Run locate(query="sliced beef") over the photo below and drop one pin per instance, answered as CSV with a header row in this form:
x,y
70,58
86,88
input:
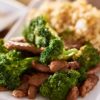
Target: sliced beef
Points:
x,y
57,65
72,65
73,94
32,92
89,84
22,46
40,67
18,93
63,65
37,79
23,87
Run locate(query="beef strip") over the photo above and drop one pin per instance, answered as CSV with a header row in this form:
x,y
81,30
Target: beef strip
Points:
x,y
72,65
40,67
73,94
37,79
32,92
18,93
88,84
57,65
22,46
63,65
23,87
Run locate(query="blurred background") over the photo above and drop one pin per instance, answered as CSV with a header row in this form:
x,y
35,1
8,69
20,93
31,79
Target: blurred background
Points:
x,y
13,10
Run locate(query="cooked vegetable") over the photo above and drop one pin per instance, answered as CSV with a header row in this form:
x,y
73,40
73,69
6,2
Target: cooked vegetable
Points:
x,y
87,56
57,86
11,68
55,51
68,54
39,32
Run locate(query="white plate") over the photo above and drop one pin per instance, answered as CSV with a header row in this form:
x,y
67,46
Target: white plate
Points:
x,y
93,95
15,32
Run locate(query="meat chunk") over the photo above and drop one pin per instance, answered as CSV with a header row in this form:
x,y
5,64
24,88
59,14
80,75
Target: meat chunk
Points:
x,y
40,67
32,92
38,79
18,39
23,87
89,84
95,70
18,93
22,46
73,94
72,65
21,91
63,65
57,65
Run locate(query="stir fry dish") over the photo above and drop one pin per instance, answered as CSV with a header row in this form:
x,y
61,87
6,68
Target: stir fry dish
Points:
x,y
44,61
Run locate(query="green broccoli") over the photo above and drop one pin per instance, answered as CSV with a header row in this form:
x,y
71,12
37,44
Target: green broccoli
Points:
x,y
57,85
87,56
67,54
14,55
52,51
39,32
14,71
56,50
12,67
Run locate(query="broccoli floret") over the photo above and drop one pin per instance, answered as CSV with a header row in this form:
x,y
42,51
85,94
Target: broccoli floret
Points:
x,y
83,76
12,67
14,55
87,56
14,71
57,86
67,54
55,51
39,32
